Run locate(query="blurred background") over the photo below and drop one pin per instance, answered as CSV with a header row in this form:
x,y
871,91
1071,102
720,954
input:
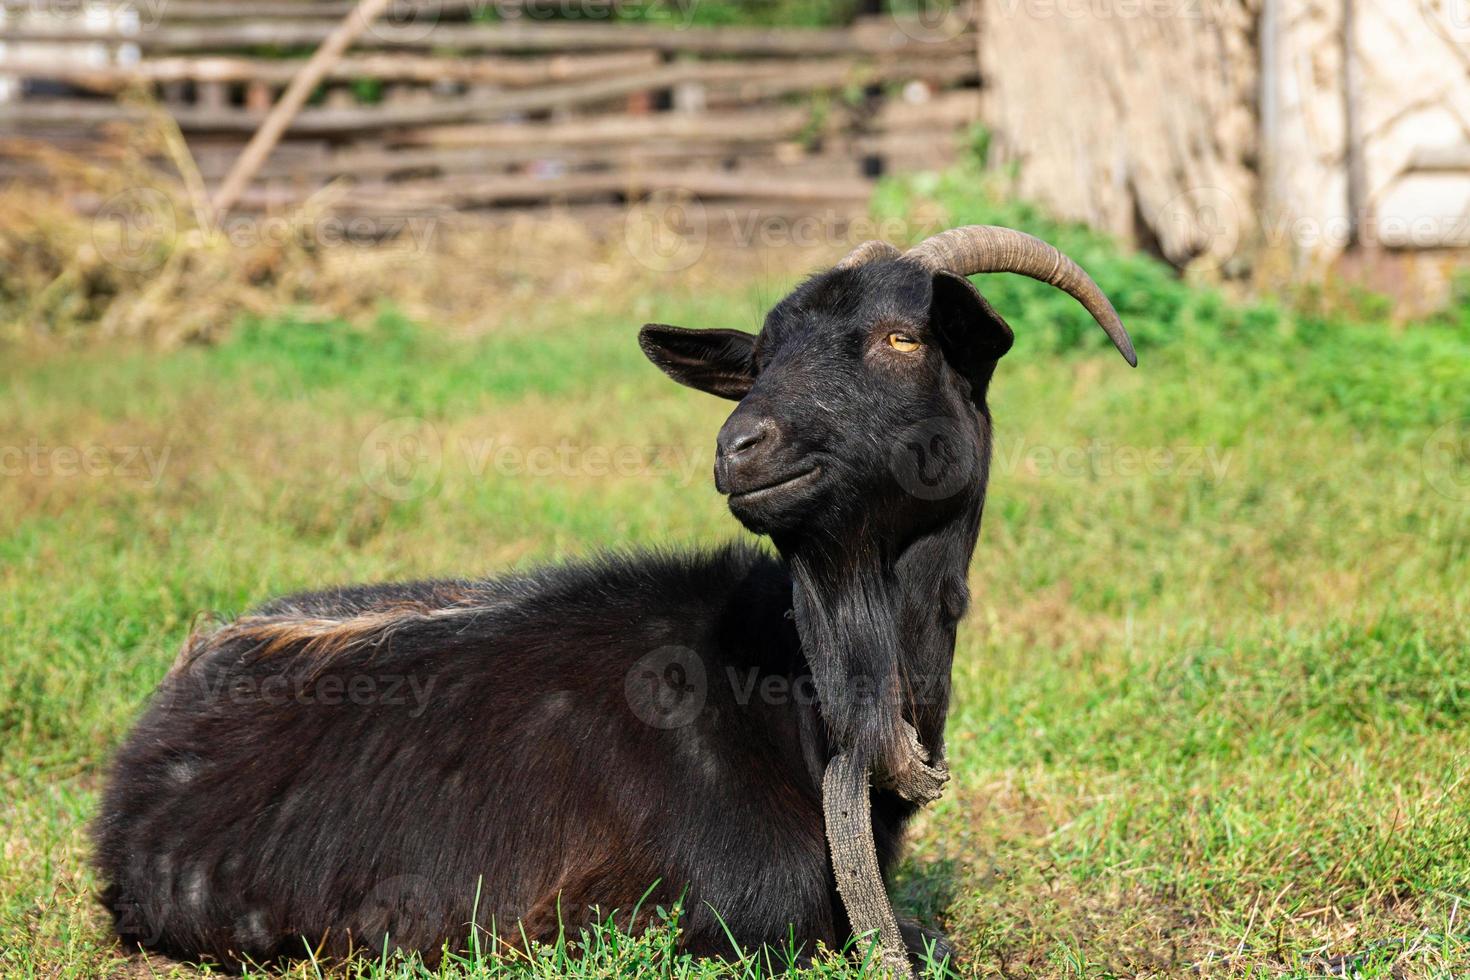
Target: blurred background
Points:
x,y
1259,140
304,292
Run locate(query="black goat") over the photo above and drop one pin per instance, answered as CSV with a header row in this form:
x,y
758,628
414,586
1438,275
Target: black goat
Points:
x,y
386,764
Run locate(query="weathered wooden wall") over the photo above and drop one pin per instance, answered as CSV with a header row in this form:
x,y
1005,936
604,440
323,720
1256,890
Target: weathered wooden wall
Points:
x,y
1211,128
1126,114
1409,108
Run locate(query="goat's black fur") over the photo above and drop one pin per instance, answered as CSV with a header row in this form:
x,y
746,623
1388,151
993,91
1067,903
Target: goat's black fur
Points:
x,y
521,752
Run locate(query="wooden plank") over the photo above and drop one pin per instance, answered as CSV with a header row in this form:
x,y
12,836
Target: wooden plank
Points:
x,y
943,109
312,164
753,83
187,10
1441,158
520,36
746,82
751,125
506,71
936,146
459,192
175,11
731,224
378,162
746,125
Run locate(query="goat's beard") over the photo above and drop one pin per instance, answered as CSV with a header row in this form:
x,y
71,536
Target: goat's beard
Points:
x,y
877,627
847,618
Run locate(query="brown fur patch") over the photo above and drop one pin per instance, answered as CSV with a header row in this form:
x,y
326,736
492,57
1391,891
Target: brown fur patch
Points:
x,y
320,636
324,636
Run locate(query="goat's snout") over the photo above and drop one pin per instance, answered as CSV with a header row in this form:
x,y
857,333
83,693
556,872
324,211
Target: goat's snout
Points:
x,y
740,436
744,452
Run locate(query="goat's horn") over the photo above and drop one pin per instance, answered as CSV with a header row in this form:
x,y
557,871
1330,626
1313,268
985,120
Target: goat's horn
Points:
x,y
868,252
988,248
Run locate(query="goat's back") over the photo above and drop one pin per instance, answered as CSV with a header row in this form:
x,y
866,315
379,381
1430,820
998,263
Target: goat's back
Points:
x,y
380,764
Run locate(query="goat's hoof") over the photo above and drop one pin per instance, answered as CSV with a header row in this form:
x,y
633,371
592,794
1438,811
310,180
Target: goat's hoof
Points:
x,y
926,946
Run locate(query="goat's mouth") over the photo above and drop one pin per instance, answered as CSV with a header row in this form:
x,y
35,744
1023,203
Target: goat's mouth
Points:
x,y
777,486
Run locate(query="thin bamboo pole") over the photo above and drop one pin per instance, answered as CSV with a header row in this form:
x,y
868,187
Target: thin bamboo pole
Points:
x,y
291,101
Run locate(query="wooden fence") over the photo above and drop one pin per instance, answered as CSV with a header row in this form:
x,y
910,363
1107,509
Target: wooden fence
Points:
x,y
432,110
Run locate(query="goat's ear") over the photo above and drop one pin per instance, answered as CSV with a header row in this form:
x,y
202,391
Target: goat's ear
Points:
x,y
972,334
720,362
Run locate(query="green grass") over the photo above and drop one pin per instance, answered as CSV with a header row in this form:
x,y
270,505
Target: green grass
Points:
x,y
1210,703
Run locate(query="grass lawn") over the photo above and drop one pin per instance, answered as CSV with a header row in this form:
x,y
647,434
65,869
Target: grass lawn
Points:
x,y
1210,705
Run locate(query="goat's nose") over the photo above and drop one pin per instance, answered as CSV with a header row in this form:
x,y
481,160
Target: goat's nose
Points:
x,y
740,435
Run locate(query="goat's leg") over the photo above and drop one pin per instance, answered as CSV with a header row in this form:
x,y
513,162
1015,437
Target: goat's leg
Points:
x,y
925,943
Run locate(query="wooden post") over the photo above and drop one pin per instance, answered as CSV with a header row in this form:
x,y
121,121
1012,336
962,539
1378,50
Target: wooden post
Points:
x,y
212,95
1269,108
258,96
292,100
1352,130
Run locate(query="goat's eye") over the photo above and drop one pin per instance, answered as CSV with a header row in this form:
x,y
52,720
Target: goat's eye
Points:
x,y
905,343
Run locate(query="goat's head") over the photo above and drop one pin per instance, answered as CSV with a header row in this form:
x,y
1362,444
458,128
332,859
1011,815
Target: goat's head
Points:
x,y
888,353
